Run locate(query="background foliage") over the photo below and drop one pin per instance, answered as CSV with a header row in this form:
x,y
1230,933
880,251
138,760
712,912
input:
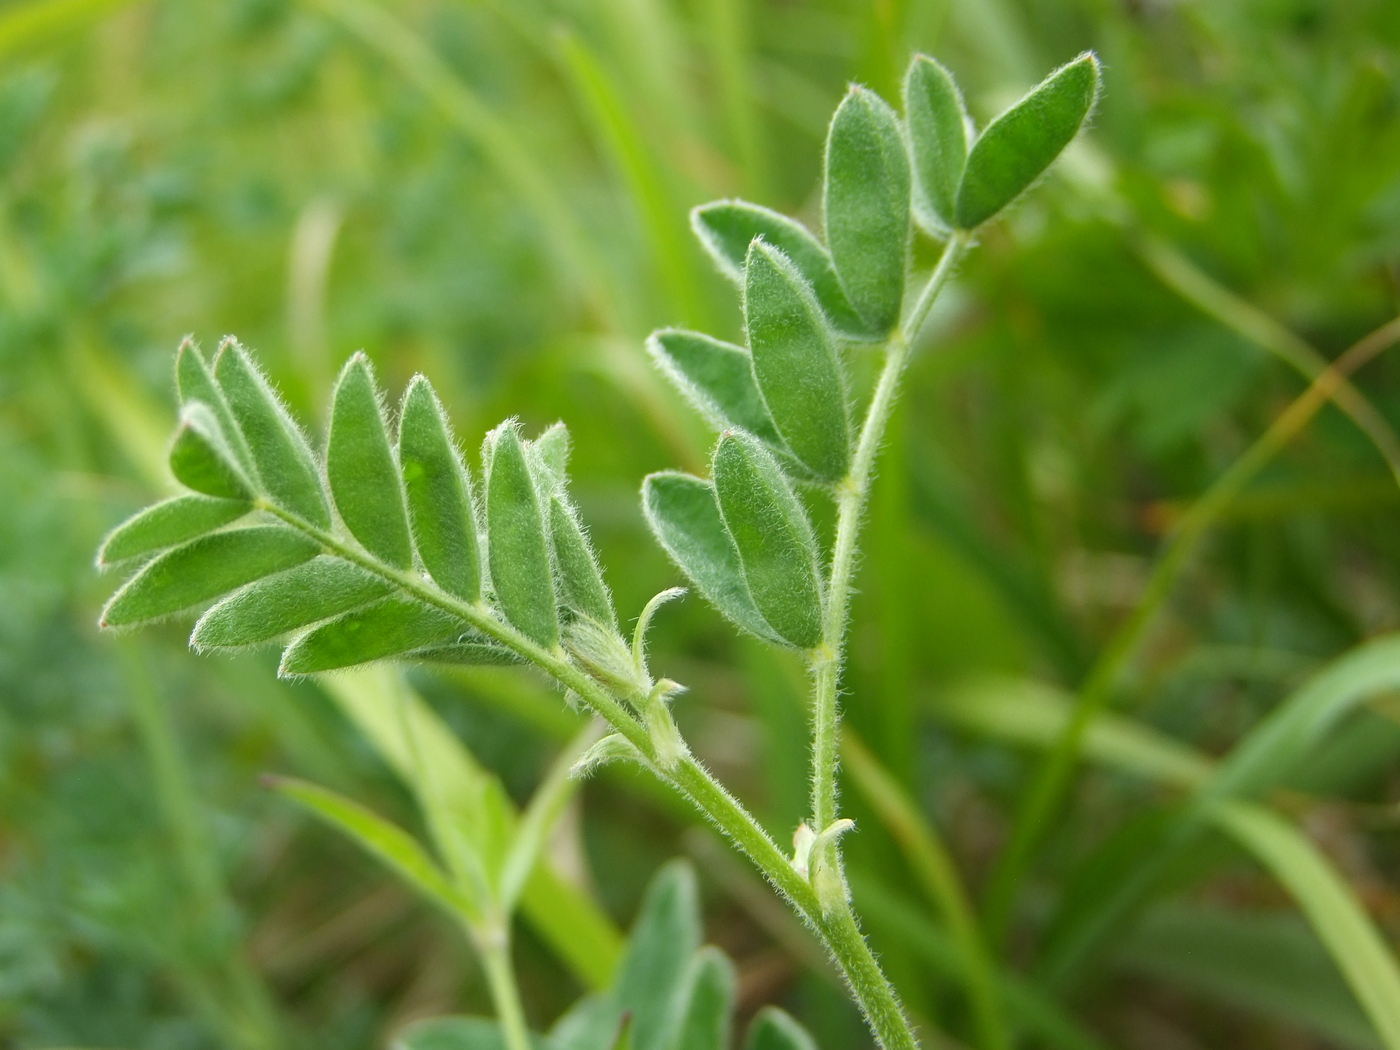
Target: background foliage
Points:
x,y
494,194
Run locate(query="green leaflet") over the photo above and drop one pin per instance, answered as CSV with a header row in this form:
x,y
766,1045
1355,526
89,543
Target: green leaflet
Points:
x,y
195,382
206,568
360,468
519,555
937,121
651,982
795,364
773,537
439,494
774,1029
684,517
386,841
717,378
581,583
167,523
1015,148
201,459
317,590
866,203
279,449
551,451
709,1000
375,632
472,653
727,229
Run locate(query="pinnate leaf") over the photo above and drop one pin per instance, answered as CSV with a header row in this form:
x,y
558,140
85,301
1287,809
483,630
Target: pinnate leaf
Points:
x,y
200,457
284,462
315,591
360,467
1020,144
374,632
439,494
866,200
774,539
206,568
581,583
727,229
167,523
775,1029
937,121
717,378
684,517
517,548
795,364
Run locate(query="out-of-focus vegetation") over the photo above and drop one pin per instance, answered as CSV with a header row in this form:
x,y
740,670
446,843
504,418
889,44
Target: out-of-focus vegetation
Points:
x,y
494,194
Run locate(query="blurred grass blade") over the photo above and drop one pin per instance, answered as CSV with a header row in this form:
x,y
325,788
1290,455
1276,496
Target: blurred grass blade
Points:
x,y
438,493
364,479
731,47
388,842
716,378
319,589
515,535
206,568
27,26
168,523
709,1001
375,632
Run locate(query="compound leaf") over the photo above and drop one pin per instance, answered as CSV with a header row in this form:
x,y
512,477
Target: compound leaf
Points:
x,y
705,1025
167,523
773,537
728,228
684,517
360,467
315,591
206,568
581,583
439,494
795,364
200,457
279,449
375,632
1020,144
515,536
937,121
716,377
775,1029
866,201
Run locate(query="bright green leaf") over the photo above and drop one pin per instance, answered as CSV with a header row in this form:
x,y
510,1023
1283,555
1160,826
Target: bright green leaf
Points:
x,y
319,589
285,465
866,203
201,459
1021,143
580,581
167,523
795,364
375,632
360,467
206,568
519,555
773,537
937,121
684,517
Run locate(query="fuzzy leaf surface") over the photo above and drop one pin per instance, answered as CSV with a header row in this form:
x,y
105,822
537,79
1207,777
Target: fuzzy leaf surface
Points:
x,y
866,203
315,591
581,583
283,458
520,569
360,467
773,537
375,632
1021,143
937,122
728,229
795,364
200,457
684,516
439,495
206,568
717,378
195,382
168,523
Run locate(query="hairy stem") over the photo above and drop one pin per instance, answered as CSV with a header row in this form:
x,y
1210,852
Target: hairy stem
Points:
x,y
1054,774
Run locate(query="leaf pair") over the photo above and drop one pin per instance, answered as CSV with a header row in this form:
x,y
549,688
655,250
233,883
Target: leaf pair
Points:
x,y
407,505
744,540
960,185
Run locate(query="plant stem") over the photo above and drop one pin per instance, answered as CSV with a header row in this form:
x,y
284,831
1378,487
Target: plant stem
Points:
x,y
505,994
1054,774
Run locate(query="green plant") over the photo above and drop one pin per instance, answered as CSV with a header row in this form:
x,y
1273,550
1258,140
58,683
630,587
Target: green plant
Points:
x,y
387,547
